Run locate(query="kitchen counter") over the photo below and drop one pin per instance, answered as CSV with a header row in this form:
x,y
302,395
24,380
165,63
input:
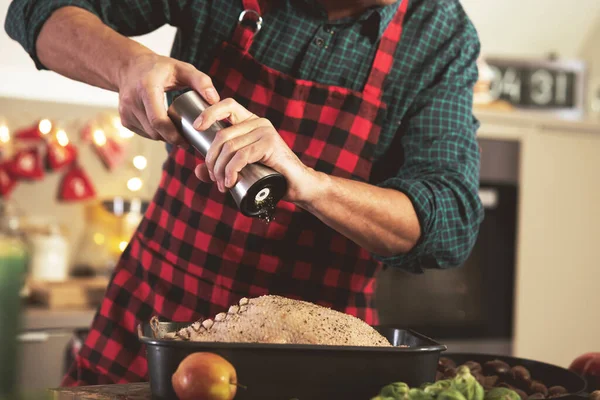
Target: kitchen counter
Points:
x,y
558,226
533,120
35,318
132,391
44,341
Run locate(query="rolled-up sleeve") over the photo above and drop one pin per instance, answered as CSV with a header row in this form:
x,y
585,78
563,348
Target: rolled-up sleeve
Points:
x,y
440,174
25,18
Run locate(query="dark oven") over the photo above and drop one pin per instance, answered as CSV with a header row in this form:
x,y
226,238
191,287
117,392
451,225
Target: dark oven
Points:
x,y
469,308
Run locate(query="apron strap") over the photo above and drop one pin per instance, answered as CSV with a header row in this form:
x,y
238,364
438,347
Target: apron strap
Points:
x,y
384,57
249,23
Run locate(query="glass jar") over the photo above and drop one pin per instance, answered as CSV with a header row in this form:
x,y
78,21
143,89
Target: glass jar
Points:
x,y
13,268
109,226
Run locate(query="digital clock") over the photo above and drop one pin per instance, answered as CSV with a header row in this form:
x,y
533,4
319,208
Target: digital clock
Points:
x,y
556,87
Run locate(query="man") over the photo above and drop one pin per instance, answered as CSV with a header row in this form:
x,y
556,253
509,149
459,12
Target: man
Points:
x,y
365,106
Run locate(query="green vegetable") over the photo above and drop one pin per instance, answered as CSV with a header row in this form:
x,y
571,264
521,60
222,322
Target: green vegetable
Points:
x,y
467,384
418,394
396,390
450,394
501,393
435,388
382,398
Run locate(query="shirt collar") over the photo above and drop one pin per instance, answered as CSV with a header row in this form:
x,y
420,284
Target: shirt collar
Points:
x,y
375,20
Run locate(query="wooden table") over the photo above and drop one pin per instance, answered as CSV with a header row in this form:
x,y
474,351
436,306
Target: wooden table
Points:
x,y
131,391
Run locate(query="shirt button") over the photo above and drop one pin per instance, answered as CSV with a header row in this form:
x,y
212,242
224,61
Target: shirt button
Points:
x,y
319,42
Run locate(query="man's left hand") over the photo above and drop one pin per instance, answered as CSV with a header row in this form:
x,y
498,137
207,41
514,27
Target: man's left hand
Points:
x,y
248,140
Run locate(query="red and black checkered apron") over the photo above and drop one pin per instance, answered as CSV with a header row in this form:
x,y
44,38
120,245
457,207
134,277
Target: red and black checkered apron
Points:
x,y
194,253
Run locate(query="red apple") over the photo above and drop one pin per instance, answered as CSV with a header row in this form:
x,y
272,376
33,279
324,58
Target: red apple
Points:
x,y
588,366
205,376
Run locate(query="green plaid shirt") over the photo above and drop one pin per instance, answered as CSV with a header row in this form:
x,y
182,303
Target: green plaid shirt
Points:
x,y
427,149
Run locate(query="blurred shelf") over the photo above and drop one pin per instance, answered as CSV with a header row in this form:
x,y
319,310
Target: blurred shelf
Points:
x,y
37,318
514,124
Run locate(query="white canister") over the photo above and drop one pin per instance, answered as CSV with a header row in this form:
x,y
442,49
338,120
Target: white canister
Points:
x,y
49,257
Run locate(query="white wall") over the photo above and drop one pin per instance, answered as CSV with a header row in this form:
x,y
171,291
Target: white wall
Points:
x,y
590,51
19,78
533,27
506,27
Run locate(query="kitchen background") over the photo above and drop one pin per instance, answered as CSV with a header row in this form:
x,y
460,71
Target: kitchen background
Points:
x,y
530,287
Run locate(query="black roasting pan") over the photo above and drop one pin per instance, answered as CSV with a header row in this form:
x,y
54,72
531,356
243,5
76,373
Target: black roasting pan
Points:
x,y
302,372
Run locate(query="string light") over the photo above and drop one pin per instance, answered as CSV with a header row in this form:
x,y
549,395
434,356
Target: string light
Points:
x,y
122,246
45,126
134,184
99,137
4,134
123,132
98,238
61,138
140,162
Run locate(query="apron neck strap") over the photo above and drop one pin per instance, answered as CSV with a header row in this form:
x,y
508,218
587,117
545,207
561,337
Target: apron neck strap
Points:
x,y
249,23
384,57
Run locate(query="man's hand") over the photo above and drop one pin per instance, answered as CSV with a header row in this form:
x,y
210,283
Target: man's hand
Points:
x,y
77,44
380,220
250,139
142,86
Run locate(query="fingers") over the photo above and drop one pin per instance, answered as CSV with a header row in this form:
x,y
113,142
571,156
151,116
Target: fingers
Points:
x,y
156,114
131,122
255,152
202,173
142,121
141,132
228,108
187,75
229,150
228,135
246,141
141,96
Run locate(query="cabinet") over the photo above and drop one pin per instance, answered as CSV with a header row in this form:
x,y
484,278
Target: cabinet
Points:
x,y
42,358
43,344
557,264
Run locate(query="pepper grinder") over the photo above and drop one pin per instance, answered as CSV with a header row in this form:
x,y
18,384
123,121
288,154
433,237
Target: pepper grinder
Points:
x,y
258,187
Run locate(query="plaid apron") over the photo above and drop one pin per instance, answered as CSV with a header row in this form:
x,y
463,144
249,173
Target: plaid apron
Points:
x,y
194,253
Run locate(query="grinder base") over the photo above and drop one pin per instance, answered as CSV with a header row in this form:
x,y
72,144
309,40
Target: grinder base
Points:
x,y
252,201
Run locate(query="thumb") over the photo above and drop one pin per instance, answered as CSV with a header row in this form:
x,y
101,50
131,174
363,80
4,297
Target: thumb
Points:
x,y
188,75
201,172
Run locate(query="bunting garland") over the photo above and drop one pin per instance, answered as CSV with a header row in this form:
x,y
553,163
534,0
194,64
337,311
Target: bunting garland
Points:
x,y
29,153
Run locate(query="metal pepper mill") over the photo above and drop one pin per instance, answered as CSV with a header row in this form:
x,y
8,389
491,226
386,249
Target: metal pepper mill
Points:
x,y
258,186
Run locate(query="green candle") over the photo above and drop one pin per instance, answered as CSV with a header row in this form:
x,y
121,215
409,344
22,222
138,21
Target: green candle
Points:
x,y
13,262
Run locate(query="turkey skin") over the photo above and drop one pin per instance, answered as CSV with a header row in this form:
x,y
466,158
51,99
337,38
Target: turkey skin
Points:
x,y
280,320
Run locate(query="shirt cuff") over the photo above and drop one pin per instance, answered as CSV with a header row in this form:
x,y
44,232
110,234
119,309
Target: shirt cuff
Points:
x,y
421,195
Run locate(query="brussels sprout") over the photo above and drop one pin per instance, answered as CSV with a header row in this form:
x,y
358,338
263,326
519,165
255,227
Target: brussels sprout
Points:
x,y
396,390
418,394
438,387
450,394
502,394
467,384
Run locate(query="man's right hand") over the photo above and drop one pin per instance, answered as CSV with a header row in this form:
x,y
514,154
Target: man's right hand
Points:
x,y
77,44
142,85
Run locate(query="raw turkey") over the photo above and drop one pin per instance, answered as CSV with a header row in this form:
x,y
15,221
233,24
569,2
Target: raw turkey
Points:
x,y
280,320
